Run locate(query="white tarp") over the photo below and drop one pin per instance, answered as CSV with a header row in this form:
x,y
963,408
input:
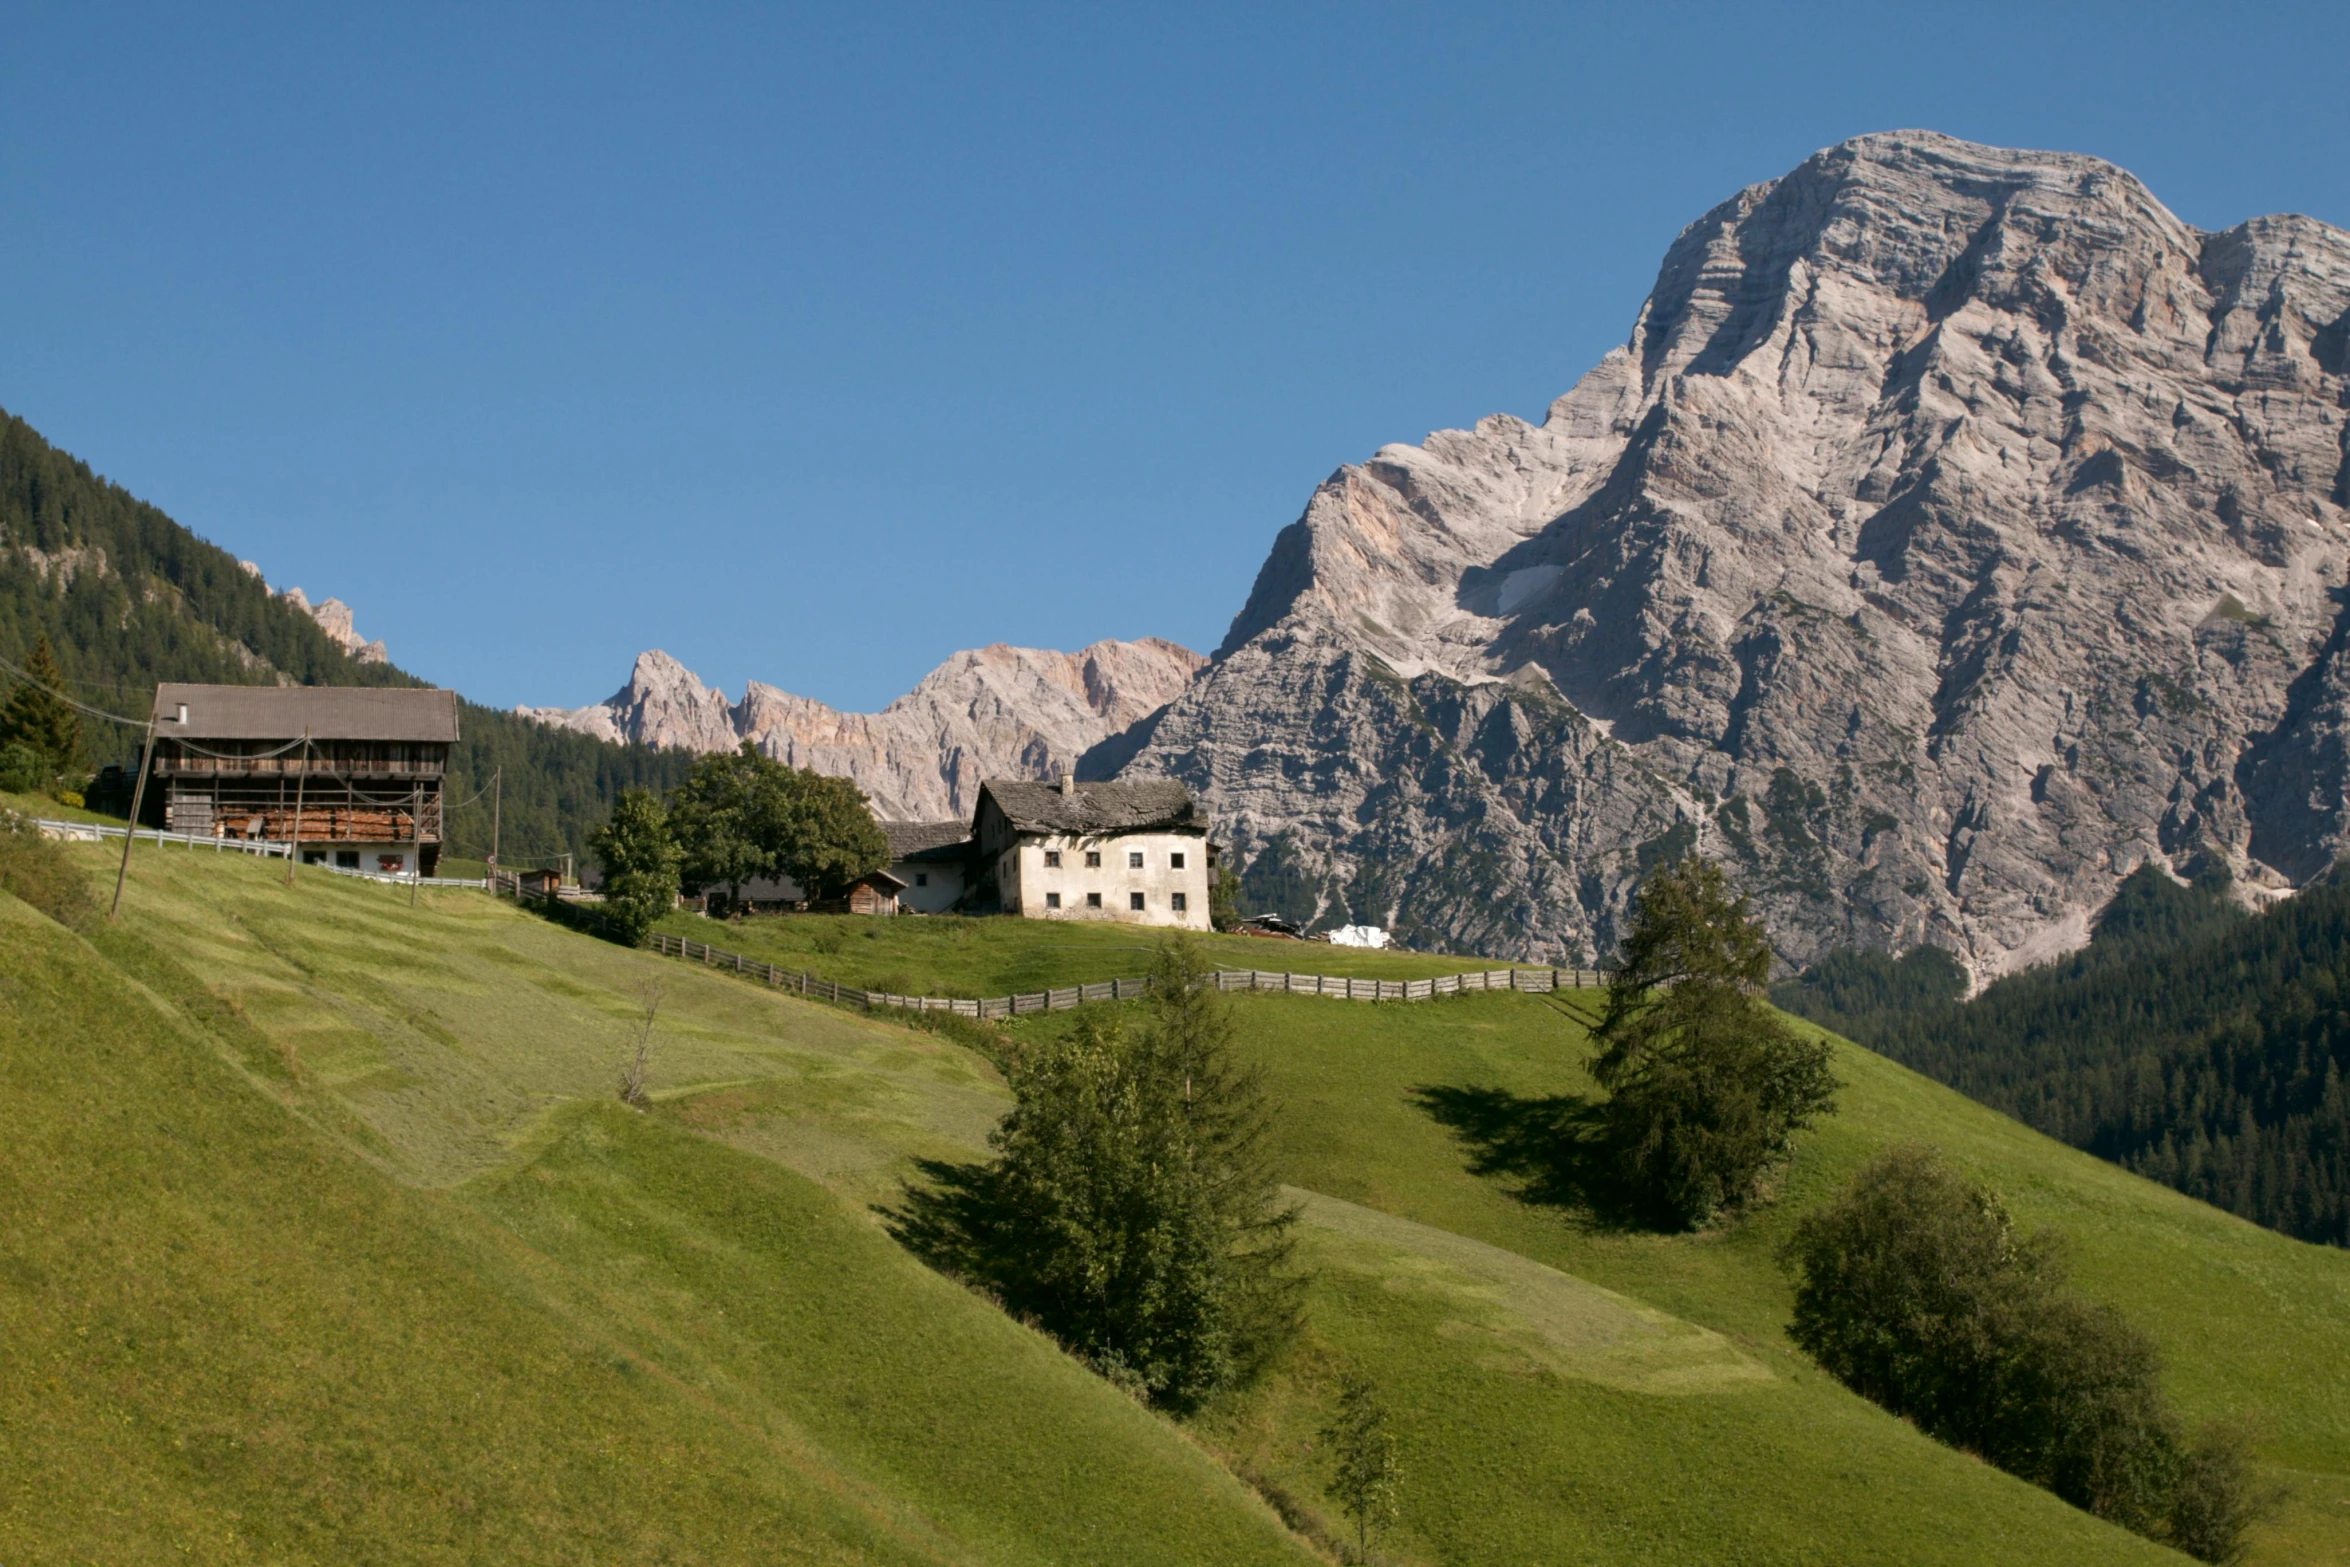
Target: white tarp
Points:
x,y
1358,936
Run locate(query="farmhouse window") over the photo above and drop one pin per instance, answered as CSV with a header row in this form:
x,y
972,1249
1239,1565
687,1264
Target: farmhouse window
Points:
x,y
921,878
1052,900
347,859
391,864
1175,860
1134,900
1178,903
1134,861
1093,900
1093,859
1052,859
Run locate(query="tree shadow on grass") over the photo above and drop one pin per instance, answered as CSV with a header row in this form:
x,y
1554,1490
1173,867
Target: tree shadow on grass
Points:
x,y
957,1220
1553,1147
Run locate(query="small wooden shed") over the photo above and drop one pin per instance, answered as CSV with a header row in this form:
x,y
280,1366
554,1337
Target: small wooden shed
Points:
x,y
875,892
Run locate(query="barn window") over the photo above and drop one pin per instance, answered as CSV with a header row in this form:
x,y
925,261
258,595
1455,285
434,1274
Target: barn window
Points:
x,y
1093,900
1093,859
1052,859
1052,900
1175,860
1134,861
921,878
1178,903
1134,900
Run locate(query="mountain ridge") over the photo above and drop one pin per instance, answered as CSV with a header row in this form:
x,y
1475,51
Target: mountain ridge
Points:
x,y
1956,531
992,712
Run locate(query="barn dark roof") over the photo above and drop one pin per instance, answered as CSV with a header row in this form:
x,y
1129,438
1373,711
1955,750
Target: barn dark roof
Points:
x,y
282,712
928,840
1136,805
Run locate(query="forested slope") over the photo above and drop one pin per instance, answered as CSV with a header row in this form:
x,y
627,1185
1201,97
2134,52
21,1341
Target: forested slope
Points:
x,y
127,597
2190,1041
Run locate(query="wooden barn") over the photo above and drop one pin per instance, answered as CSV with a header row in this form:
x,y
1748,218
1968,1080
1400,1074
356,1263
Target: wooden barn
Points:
x,y
352,775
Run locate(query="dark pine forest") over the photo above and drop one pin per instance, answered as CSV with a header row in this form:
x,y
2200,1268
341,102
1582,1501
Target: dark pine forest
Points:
x,y
127,597
2193,1042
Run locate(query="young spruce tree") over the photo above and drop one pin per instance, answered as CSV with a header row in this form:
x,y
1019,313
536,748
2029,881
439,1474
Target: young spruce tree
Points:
x,y
40,721
1132,1209
1707,1087
1369,1472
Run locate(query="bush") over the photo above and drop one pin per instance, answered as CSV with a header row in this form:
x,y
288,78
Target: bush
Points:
x,y
1707,1087
1915,1291
43,874
24,770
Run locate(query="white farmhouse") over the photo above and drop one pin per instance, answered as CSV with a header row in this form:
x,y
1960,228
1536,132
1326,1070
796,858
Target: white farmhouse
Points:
x,y
1131,852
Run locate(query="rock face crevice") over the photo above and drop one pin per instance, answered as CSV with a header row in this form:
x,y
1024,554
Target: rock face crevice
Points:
x,y
1956,531
993,712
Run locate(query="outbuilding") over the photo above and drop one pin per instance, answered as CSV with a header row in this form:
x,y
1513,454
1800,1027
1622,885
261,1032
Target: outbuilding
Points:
x,y
932,860
352,775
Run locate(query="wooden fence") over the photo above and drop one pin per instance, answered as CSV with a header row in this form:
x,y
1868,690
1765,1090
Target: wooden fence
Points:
x,y
806,984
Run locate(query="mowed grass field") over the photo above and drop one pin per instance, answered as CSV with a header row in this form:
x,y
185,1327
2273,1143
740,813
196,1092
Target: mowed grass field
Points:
x,y
683,1335
947,955
323,1239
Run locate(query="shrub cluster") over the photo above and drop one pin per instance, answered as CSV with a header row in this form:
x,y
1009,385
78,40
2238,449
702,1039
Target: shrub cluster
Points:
x,y
1916,1291
1131,1209
43,874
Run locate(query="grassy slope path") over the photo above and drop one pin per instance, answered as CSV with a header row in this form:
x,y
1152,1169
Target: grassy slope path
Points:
x,y
344,1254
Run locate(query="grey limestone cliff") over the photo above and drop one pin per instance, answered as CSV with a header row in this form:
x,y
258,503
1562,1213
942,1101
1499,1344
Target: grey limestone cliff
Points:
x,y
1957,531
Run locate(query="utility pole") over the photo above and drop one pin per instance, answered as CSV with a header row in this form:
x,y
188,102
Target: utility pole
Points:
x,y
497,804
301,782
131,828
415,839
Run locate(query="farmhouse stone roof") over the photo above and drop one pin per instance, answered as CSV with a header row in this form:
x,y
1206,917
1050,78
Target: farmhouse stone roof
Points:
x,y
927,840
1123,805
283,712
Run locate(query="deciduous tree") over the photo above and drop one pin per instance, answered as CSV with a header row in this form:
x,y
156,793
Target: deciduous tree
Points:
x,y
1915,1290
741,816
641,865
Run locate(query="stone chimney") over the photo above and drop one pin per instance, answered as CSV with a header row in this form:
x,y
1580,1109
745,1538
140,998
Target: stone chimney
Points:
x,y
1068,783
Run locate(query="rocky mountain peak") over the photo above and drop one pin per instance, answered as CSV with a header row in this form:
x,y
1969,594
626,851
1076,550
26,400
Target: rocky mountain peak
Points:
x,y
997,711
1956,531
334,618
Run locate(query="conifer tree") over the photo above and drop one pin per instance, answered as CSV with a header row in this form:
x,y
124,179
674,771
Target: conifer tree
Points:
x,y
40,720
1706,1086
1369,1470
1132,1209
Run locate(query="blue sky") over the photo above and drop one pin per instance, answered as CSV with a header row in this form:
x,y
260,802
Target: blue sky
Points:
x,y
813,344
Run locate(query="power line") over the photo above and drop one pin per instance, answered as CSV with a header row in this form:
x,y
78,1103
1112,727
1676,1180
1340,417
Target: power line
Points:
x,y
77,706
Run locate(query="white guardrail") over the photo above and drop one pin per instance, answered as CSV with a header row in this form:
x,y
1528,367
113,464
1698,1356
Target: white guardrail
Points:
x,y
96,832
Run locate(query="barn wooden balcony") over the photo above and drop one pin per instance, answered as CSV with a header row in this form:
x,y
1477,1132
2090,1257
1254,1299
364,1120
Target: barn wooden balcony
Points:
x,y
295,767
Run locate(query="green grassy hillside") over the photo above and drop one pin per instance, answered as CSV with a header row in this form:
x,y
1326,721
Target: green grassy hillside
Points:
x,y
950,956
705,1288
341,1252
1397,1106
